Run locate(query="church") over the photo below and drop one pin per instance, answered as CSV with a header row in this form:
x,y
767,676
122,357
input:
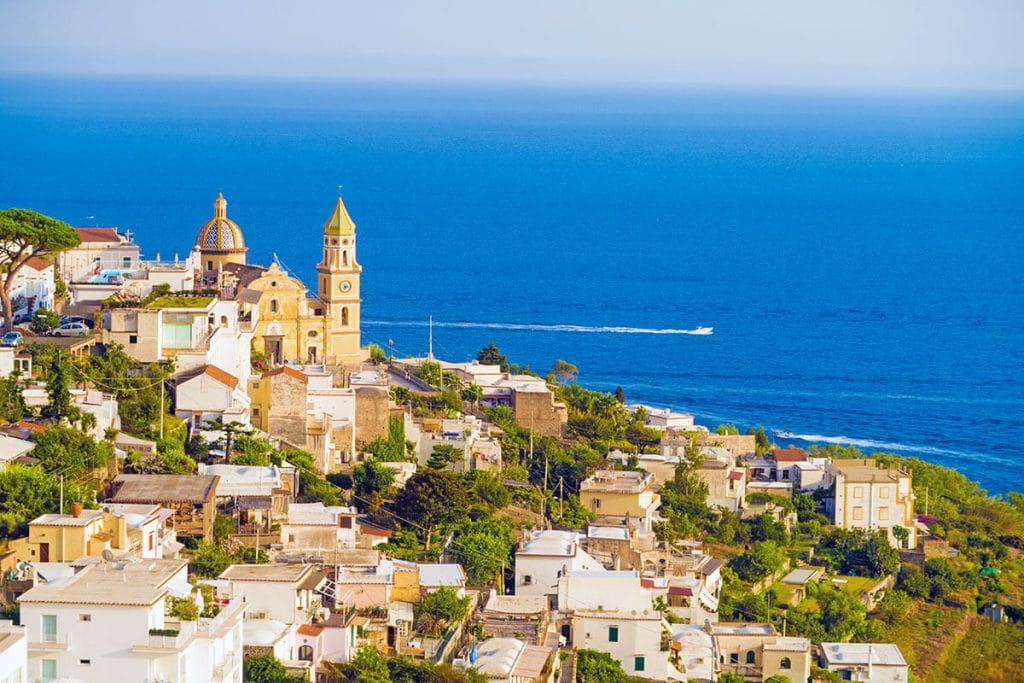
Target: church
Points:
x,y
290,324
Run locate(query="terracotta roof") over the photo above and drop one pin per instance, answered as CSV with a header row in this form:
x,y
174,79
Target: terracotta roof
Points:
x,y
39,264
98,234
31,426
736,474
375,531
225,378
287,370
311,629
790,455
680,590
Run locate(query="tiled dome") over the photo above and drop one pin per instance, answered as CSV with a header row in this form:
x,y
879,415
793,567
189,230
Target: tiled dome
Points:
x,y
220,233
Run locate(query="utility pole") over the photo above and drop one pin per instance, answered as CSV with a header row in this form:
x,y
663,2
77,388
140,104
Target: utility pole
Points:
x,y
561,496
430,337
926,500
161,409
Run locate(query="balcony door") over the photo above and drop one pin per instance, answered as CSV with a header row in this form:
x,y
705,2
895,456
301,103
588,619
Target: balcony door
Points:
x,y
49,628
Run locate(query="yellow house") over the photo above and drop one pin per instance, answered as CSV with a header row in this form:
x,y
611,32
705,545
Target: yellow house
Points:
x,y
67,537
405,585
291,324
614,493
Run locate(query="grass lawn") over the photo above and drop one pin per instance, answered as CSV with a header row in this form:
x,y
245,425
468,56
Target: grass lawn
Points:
x,y
172,301
854,585
986,652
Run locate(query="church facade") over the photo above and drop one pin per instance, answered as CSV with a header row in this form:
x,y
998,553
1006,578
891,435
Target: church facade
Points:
x,y
290,323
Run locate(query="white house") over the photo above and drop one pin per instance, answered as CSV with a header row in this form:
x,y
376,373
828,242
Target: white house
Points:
x,y
33,288
664,418
102,406
870,662
101,249
12,361
12,448
209,392
873,498
510,660
612,612
314,526
13,653
282,592
546,555
113,622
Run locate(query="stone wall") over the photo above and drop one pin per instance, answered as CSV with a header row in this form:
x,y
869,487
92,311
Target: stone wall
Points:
x,y
538,411
287,413
371,414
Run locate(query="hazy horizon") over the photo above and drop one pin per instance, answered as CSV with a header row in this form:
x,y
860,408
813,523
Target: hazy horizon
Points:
x,y
865,45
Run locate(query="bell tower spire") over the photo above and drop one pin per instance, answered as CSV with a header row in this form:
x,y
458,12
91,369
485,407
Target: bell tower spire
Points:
x,y
338,287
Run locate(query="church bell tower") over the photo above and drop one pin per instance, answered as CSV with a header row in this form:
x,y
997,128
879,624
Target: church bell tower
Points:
x,y
338,287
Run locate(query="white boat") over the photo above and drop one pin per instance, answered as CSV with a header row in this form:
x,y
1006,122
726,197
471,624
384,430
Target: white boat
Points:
x,y
784,435
702,330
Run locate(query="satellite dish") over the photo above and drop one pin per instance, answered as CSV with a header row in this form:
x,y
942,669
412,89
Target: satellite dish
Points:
x,y
107,555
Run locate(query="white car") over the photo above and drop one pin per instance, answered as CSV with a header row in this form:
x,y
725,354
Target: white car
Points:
x,y
71,330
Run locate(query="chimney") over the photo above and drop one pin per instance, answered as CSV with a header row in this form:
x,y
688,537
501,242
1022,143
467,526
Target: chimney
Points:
x,y
76,509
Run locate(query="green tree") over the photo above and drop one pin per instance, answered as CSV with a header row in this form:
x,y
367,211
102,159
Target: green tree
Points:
x,y
472,393
44,320
230,431
370,478
841,613
620,395
432,498
598,667
370,666
484,547
440,609
209,559
489,489
564,372
726,429
26,234
26,493
430,372
377,354
59,406
759,560
70,451
12,400
762,444
264,670
444,455
490,355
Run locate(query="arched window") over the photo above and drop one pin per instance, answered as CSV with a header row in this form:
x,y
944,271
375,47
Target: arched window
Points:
x,y
344,317
751,657
312,334
273,305
344,257
785,663
224,321
305,653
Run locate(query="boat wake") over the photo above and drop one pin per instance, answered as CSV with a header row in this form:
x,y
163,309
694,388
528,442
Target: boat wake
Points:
x,y
600,329
865,443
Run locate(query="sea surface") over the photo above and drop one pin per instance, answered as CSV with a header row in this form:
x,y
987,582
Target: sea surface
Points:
x,y
860,255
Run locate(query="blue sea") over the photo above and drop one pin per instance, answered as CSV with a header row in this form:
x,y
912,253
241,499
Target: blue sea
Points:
x,y
860,255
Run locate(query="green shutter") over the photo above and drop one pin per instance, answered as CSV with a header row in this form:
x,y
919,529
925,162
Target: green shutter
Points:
x,y
638,663
613,634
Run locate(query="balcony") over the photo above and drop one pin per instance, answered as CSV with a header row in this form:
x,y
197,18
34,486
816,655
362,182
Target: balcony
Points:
x,y
50,642
162,641
216,627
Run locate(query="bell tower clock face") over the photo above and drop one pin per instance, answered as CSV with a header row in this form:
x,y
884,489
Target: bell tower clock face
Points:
x,y
344,285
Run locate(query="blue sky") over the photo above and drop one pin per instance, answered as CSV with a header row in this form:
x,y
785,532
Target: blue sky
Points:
x,y
974,44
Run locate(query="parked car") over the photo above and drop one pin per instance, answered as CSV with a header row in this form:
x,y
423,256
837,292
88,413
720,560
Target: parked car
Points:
x,y
64,319
11,339
70,330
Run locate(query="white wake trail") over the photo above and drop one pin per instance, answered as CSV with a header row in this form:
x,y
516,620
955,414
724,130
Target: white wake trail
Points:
x,y
529,327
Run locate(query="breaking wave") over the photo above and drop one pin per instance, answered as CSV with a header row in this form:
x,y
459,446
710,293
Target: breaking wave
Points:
x,y
600,329
870,443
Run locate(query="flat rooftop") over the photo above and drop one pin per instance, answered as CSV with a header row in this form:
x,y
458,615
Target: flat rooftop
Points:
x,y
549,543
85,519
861,654
736,628
164,488
285,573
137,584
617,481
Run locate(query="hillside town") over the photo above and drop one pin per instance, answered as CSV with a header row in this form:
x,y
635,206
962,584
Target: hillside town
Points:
x,y
208,475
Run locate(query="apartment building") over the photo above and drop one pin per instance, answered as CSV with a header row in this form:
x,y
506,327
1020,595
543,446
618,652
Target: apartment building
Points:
x,y
617,493
114,621
871,497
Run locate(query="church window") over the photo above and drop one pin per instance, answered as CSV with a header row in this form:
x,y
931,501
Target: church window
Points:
x,y
751,657
786,663
273,283
273,305
344,258
312,333
344,316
